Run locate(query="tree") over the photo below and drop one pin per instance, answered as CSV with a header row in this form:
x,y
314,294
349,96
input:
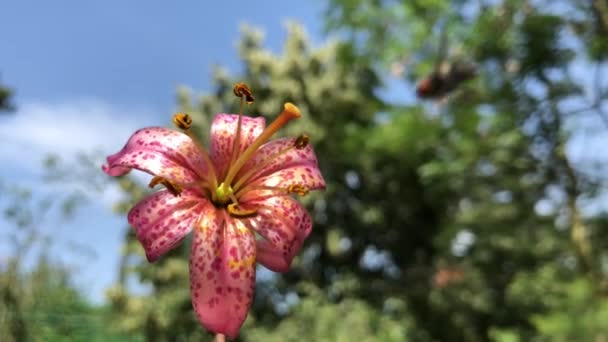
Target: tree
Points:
x,y
500,159
38,299
5,95
454,221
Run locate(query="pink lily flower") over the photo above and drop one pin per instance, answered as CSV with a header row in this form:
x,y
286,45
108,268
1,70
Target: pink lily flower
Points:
x,y
236,200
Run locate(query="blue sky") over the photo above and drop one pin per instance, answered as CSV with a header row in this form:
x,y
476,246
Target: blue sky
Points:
x,y
87,74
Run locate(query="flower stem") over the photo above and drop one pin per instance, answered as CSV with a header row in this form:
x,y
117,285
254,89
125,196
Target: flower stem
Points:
x,y
220,338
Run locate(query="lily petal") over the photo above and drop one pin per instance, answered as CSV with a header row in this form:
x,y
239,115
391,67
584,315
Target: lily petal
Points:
x,y
271,257
223,133
284,223
222,272
162,220
290,159
292,167
308,176
160,152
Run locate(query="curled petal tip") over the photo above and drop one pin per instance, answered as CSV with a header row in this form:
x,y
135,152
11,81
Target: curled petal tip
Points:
x,y
160,152
115,170
152,257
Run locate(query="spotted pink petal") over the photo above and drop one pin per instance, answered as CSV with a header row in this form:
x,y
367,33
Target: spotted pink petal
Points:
x,y
293,158
162,220
222,272
284,223
223,133
160,152
307,175
271,257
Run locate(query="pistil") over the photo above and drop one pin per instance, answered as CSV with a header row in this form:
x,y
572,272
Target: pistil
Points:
x,y
289,112
224,194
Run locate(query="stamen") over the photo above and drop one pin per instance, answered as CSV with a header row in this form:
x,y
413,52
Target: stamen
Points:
x,y
173,188
297,189
234,210
299,143
233,198
242,90
289,112
184,122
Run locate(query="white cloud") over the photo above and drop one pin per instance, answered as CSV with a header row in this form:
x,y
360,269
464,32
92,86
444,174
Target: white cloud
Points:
x,y
38,129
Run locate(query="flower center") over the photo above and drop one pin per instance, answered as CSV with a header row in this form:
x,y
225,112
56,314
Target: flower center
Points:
x,y
225,191
224,194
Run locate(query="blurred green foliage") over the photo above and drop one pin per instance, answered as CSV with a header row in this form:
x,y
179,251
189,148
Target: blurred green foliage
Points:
x,y
38,300
42,305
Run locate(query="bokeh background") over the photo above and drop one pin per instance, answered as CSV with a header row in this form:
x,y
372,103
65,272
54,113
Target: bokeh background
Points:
x,y
477,215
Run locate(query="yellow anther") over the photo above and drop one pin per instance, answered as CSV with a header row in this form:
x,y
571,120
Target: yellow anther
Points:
x,y
234,210
298,189
173,188
291,109
301,142
242,90
182,121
